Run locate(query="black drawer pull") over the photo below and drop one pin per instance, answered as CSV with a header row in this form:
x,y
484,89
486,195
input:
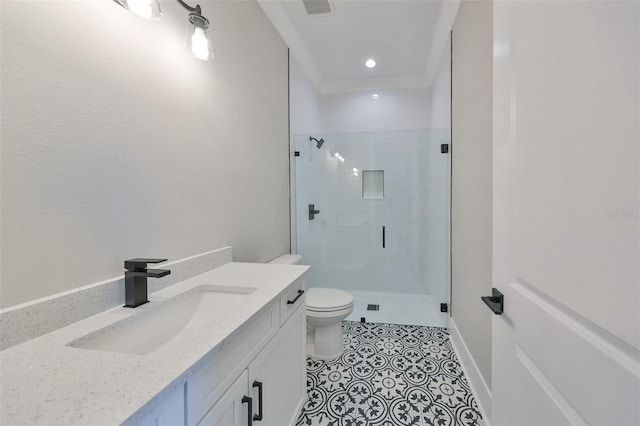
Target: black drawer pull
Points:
x,y
291,302
249,401
257,384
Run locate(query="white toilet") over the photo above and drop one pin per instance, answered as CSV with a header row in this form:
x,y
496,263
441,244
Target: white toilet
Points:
x,y
326,308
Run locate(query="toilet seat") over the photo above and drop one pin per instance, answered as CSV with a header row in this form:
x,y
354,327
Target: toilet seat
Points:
x,y
328,300
329,314
337,308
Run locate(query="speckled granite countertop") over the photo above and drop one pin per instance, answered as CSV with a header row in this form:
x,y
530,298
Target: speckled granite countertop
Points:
x,y
44,381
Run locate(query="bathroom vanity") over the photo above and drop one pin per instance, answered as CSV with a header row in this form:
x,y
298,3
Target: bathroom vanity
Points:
x,y
238,359
259,374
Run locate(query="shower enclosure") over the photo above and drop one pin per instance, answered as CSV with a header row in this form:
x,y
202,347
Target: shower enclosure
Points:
x,y
372,218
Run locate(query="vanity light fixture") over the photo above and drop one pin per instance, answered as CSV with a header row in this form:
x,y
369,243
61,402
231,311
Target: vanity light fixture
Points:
x,y
200,35
200,46
147,9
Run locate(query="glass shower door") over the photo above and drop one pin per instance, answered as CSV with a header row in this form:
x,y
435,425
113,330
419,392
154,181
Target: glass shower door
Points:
x,y
382,231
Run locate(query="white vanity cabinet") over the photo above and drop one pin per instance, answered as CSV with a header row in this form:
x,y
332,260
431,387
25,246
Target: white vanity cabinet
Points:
x,y
170,413
261,372
277,376
232,409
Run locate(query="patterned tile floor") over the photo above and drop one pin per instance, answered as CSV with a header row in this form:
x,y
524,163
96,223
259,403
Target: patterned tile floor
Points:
x,y
390,375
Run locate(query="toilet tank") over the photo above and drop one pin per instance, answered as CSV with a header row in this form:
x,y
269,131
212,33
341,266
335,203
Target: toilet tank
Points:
x,y
288,259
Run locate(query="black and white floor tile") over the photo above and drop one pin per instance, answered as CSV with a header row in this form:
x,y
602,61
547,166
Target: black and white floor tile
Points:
x,y
390,375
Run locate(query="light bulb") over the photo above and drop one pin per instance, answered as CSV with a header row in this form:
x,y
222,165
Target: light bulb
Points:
x,y
147,9
370,63
199,43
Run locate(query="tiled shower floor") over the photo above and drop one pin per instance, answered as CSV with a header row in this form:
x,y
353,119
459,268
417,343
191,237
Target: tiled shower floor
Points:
x,y
398,308
390,375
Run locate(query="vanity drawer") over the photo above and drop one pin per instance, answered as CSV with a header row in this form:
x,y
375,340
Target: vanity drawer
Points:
x,y
292,299
209,383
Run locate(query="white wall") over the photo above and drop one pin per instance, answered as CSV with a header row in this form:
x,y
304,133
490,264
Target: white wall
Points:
x,y
117,143
304,101
440,95
471,191
394,110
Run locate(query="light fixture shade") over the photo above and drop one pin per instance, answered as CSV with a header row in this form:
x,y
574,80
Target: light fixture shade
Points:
x,y
200,40
148,9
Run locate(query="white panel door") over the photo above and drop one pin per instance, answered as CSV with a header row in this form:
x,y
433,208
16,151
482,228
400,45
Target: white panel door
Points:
x,y
566,213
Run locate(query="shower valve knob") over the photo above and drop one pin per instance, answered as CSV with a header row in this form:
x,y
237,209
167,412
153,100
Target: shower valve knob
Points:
x,y
312,211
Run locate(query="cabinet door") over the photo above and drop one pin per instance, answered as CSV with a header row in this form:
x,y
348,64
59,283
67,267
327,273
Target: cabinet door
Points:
x,y
280,368
229,410
216,376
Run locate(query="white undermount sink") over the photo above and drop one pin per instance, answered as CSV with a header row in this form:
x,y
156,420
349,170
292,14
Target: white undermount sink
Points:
x,y
145,332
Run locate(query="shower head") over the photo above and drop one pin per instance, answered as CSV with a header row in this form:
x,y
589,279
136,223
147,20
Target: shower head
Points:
x,y
318,142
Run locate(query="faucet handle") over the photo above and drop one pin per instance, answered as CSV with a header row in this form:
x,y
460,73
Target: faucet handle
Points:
x,y
139,264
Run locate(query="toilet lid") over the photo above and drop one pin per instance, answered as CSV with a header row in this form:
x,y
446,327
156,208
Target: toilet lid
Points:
x,y
328,299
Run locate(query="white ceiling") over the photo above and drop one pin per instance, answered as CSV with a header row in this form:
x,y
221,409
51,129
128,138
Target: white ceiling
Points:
x,y
405,37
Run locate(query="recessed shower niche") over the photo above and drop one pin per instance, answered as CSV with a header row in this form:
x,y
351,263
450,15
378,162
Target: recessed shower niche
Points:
x,y
373,184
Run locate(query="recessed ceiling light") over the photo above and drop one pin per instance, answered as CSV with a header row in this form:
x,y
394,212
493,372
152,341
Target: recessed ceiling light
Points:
x,y
370,63
375,96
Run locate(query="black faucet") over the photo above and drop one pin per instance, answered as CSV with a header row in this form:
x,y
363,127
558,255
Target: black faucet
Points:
x,y
135,280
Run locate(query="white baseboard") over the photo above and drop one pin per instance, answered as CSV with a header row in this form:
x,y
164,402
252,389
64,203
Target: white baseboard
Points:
x,y
472,372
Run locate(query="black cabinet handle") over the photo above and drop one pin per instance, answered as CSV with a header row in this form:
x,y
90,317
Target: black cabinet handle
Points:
x,y
495,302
291,302
384,237
257,384
249,401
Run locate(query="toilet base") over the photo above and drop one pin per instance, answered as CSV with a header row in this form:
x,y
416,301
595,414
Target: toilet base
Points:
x,y
325,343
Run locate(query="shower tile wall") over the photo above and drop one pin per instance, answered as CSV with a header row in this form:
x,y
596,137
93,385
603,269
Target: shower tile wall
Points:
x,y
344,242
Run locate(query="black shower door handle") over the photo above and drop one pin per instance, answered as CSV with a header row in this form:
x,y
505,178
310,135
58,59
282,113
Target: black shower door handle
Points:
x,y
384,237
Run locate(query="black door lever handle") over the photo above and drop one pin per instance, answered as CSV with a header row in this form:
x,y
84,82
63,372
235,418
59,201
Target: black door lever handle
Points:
x,y
495,302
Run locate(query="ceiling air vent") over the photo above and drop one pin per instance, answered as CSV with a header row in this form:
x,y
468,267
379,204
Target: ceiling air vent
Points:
x,y
317,7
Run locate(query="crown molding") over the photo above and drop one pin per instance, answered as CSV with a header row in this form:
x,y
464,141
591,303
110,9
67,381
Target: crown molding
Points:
x,y
280,19
282,23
